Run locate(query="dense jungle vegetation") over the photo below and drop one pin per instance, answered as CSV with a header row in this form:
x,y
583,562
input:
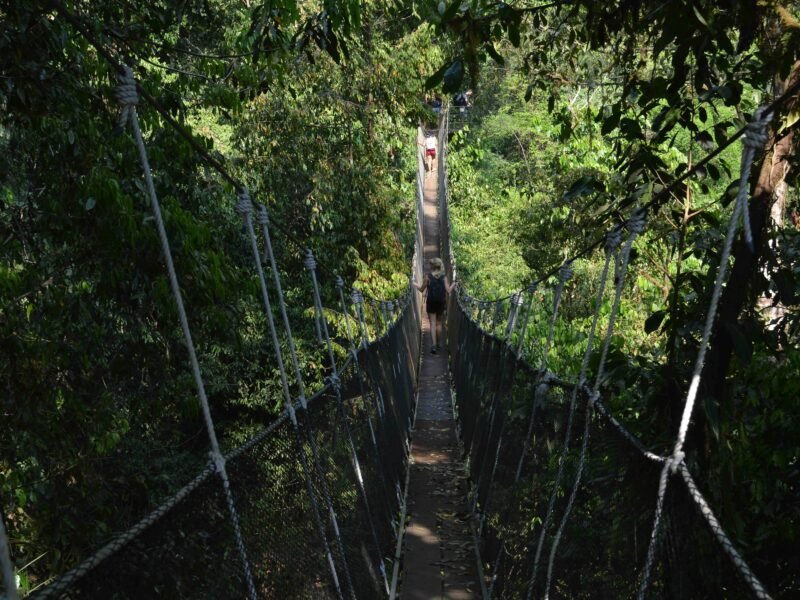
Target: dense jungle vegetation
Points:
x,y
596,110
581,110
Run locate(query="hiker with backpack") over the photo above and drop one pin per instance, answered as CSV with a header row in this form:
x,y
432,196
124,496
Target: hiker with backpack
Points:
x,y
438,289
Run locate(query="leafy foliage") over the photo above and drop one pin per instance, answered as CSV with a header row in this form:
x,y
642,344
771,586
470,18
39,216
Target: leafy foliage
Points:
x,y
101,418
602,108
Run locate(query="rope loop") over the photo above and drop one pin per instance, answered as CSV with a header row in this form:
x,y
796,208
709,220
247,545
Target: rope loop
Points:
x,y
126,94
755,138
637,221
541,390
334,381
565,273
546,377
674,461
339,282
262,216
219,461
613,239
309,261
755,133
245,206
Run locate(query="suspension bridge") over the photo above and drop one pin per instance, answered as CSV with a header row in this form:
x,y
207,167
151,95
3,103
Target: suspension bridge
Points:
x,y
471,473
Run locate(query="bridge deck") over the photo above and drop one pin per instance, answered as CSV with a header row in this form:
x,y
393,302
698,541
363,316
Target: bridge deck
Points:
x,y
439,558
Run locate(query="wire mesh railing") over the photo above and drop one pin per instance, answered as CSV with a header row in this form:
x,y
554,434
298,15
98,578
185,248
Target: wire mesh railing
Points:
x,y
562,493
186,551
310,505
186,548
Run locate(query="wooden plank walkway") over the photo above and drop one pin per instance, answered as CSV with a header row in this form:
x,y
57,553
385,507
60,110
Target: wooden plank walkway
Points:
x,y
439,556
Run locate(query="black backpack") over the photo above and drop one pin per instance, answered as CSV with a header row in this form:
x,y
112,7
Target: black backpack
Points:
x,y
436,289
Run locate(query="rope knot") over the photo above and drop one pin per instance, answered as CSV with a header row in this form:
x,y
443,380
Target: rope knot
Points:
x,y
126,94
533,287
637,221
358,297
613,238
219,461
546,377
309,261
674,461
755,138
390,306
594,396
334,381
565,273
339,282
755,135
245,206
262,216
541,392
518,299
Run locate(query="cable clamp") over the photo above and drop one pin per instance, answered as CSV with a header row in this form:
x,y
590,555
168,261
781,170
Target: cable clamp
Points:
x,y
126,94
245,206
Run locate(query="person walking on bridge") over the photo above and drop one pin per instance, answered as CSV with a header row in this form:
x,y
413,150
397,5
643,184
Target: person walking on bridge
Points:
x,y
439,288
430,151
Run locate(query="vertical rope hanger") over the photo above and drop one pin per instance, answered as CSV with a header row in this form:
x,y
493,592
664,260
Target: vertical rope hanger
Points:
x,y
358,301
128,98
245,208
755,138
564,275
263,219
311,265
613,239
362,377
517,302
531,292
568,431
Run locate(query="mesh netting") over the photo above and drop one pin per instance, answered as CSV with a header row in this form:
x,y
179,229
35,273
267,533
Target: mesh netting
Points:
x,y
349,449
513,439
513,423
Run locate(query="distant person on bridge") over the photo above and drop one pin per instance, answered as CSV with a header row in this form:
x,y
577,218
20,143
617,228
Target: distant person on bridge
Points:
x,y
430,151
462,100
438,289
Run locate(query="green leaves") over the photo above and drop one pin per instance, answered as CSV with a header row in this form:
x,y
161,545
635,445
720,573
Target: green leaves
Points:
x,y
451,74
583,186
435,79
654,321
742,344
453,77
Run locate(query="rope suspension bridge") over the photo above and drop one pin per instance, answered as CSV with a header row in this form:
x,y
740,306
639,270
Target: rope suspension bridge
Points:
x,y
323,500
